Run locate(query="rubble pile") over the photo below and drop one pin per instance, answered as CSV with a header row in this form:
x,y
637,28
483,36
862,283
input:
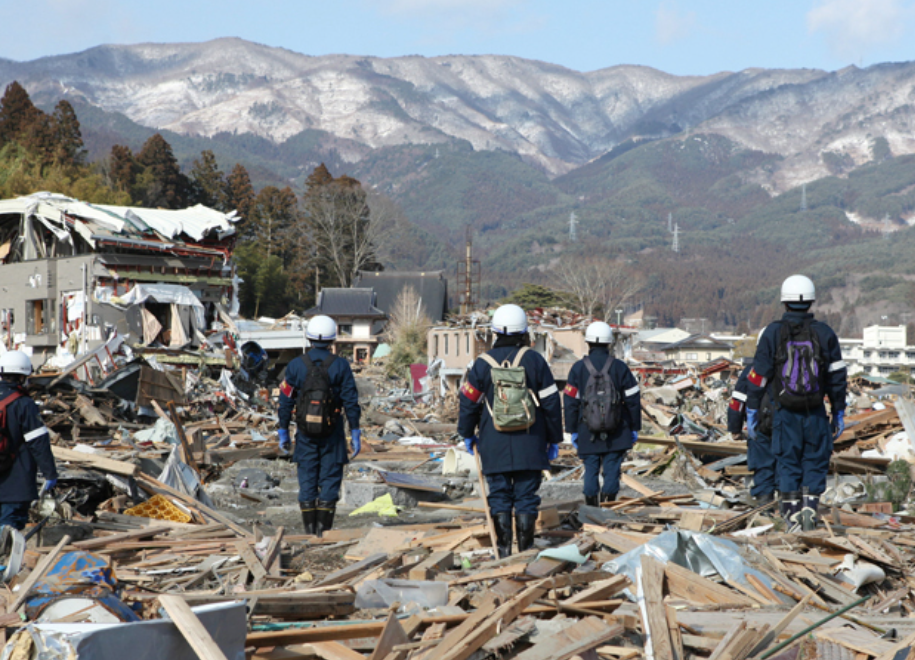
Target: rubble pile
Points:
x,y
175,524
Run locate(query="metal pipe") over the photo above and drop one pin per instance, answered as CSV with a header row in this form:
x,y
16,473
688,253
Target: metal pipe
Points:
x,y
812,627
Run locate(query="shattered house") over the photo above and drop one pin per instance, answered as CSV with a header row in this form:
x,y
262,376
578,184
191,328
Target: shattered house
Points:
x,y
75,275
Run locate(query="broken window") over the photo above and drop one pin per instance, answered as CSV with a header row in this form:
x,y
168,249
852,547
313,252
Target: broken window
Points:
x,y
39,320
467,335
457,344
435,345
346,329
446,344
692,356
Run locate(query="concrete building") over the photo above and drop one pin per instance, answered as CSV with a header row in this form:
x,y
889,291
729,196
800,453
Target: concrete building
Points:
x,y
882,351
73,275
359,321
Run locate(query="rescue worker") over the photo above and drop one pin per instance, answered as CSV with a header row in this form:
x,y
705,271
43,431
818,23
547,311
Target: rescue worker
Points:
x,y
513,461
602,450
799,362
759,451
30,443
320,460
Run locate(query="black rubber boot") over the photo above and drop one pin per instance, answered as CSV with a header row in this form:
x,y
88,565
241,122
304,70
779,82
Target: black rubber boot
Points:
x,y
526,523
325,517
807,516
309,516
591,500
608,497
504,536
790,505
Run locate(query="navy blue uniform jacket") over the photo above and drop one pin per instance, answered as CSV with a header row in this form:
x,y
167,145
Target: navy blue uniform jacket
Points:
x,y
628,387
833,374
737,409
32,445
515,450
343,386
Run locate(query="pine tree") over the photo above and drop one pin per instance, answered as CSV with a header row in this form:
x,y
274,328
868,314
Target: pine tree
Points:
x,y
68,139
239,195
17,113
123,168
208,186
164,185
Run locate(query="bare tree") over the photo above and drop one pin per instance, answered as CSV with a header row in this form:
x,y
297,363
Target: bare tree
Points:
x,y
598,287
406,332
348,228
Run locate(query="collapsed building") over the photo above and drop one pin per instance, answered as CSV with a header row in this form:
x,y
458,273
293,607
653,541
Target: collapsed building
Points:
x,y
74,275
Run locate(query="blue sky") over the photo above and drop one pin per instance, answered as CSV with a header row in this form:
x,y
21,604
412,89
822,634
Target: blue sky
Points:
x,y
678,36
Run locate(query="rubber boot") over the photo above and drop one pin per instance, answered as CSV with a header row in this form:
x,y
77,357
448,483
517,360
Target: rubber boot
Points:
x,y
526,523
504,536
808,514
608,497
309,516
591,500
325,517
790,504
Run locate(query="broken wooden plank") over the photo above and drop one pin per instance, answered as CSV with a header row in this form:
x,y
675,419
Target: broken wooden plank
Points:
x,y
650,586
432,565
190,627
94,460
37,573
582,636
392,635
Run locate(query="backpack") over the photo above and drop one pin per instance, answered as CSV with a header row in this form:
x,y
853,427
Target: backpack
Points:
x,y
601,402
315,415
7,452
798,364
513,402
766,415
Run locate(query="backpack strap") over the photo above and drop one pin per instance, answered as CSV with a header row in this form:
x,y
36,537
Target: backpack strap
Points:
x,y
9,399
589,365
606,368
490,360
520,354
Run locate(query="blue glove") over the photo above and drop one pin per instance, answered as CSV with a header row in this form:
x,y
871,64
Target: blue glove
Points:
x,y
285,442
575,440
552,452
838,424
49,484
752,420
357,442
635,437
469,443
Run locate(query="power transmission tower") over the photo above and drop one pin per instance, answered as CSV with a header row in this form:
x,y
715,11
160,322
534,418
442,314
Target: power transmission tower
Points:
x,y
573,227
676,246
804,198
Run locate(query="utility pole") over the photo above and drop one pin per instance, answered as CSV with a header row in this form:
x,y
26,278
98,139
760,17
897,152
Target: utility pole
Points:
x,y
676,246
804,198
573,227
670,220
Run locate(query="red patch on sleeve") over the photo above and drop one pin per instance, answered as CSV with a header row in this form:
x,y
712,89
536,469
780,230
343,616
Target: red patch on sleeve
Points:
x,y
471,392
756,379
286,389
571,391
736,405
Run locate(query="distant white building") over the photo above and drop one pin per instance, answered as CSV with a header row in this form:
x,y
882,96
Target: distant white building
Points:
x,y
882,351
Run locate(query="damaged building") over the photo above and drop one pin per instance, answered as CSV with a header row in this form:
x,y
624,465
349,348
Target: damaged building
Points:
x,y
74,275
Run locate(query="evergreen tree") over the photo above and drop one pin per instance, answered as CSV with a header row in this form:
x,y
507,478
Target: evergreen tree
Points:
x,y
208,185
68,139
17,113
123,168
272,218
163,184
239,195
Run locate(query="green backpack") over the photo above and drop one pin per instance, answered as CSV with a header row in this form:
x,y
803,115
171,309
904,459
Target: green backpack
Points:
x,y
513,402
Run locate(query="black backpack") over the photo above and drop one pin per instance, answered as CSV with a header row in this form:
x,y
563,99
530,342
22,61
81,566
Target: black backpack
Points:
x,y
315,415
601,402
7,449
798,365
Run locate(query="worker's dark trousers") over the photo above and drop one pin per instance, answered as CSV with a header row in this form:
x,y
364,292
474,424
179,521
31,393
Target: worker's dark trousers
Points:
x,y
611,463
14,514
514,490
802,445
762,461
320,470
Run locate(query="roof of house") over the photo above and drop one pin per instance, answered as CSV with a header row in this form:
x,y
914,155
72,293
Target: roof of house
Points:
x,y
432,287
698,341
661,335
346,302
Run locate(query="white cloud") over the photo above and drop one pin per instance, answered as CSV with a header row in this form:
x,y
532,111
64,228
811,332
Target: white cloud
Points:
x,y
852,27
671,24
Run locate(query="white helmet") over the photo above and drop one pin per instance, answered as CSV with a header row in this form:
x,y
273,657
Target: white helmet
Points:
x,y
321,328
509,320
798,288
599,333
15,362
